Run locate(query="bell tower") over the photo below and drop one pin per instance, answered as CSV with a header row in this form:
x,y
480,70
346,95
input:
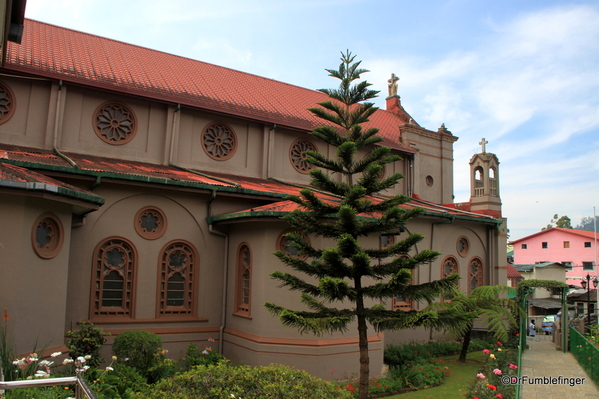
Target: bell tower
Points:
x,y
484,182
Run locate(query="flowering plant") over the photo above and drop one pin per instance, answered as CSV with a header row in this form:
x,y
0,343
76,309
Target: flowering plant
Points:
x,y
499,364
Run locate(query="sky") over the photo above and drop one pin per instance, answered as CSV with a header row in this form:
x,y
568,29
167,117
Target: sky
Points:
x,y
524,75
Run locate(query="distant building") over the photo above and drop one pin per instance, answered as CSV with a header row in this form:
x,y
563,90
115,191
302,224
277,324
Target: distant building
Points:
x,y
544,301
513,276
574,248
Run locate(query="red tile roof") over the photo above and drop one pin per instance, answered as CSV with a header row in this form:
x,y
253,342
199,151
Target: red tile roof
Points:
x,y
16,177
512,273
288,206
141,171
34,157
63,54
583,233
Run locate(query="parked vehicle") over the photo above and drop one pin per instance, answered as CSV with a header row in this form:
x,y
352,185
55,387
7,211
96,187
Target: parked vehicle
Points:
x,y
547,324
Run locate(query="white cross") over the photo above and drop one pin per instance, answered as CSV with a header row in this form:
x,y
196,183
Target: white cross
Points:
x,y
483,142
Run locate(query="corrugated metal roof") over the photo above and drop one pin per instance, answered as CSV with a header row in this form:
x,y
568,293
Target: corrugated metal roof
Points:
x,y
72,56
19,178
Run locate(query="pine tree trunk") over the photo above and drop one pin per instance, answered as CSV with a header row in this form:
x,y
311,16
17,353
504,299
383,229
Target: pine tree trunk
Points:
x,y
363,345
465,345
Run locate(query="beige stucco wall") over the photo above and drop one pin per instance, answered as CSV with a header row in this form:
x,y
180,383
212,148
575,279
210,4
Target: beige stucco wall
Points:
x,y
33,290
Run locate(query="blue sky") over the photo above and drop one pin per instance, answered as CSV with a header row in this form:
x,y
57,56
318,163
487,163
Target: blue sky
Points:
x,y
522,74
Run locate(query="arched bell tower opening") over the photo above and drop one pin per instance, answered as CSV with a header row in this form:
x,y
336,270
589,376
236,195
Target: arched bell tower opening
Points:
x,y
484,181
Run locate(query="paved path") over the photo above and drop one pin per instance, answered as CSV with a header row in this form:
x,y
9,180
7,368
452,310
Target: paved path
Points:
x,y
543,360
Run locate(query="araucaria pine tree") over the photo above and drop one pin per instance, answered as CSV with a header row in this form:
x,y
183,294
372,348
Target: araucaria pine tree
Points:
x,y
347,282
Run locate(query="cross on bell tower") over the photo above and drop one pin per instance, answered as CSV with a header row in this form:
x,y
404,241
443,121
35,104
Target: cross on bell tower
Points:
x,y
483,143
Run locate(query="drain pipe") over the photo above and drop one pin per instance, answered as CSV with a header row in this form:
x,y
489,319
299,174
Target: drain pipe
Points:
x,y
55,132
174,130
430,264
56,115
223,320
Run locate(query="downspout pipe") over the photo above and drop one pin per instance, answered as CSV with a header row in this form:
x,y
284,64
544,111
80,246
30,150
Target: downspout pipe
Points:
x,y
174,130
223,319
56,124
430,264
271,140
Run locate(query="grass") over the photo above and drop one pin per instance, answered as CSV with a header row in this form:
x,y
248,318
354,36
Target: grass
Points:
x,y
456,385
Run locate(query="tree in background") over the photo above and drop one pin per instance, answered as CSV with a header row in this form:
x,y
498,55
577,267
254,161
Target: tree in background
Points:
x,y
588,223
564,222
348,274
498,314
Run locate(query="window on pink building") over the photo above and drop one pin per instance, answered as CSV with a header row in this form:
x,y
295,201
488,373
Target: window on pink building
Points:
x,y
587,265
566,244
524,246
544,245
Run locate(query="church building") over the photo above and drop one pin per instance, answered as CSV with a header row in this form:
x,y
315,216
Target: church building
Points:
x,y
141,190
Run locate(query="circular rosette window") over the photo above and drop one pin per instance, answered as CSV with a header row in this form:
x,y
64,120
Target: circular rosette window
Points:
x,y
150,223
115,123
297,155
7,103
219,141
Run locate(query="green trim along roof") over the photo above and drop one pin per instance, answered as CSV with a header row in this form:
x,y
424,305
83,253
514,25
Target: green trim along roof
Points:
x,y
173,175
280,209
19,178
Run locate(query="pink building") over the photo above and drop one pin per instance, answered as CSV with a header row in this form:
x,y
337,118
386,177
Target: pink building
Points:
x,y
575,248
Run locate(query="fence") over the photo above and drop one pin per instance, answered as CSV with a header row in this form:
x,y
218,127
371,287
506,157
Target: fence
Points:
x,y
82,390
586,354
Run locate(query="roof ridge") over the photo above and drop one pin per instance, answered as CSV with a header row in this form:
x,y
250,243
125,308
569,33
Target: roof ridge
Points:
x,y
170,54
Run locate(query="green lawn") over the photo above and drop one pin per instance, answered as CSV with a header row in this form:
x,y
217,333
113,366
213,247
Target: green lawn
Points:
x,y
456,385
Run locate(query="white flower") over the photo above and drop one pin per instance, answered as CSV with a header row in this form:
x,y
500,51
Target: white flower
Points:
x,y
85,368
56,354
67,360
205,352
41,374
81,359
109,368
114,358
88,357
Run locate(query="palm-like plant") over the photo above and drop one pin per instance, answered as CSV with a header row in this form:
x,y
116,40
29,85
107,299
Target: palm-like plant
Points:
x,y
498,314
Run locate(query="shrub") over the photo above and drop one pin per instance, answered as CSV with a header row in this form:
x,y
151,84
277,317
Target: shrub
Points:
x,y
421,352
88,340
141,348
119,383
193,357
39,393
225,381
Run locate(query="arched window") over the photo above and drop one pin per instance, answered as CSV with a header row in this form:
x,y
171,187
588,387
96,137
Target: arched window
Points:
x,y
113,279
401,302
243,284
475,274
448,267
178,269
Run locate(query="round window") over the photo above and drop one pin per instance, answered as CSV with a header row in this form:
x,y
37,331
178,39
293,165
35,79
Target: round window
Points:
x,y
47,236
